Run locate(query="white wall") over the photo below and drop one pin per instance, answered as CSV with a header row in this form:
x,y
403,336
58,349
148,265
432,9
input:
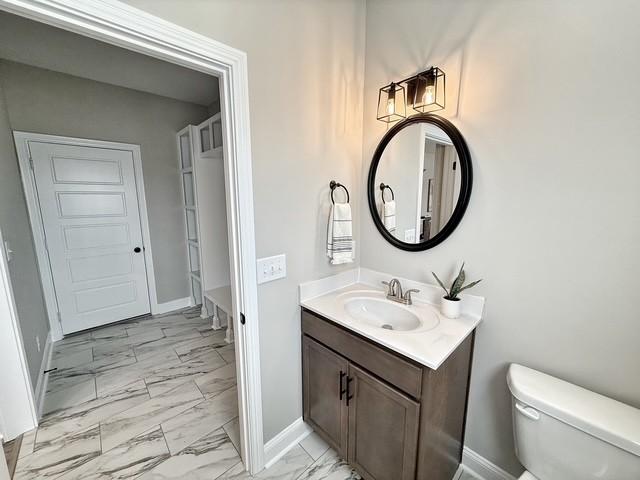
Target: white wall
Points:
x,y
212,220
43,101
548,105
305,88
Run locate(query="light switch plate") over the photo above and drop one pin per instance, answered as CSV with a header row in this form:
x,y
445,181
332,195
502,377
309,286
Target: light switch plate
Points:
x,y
272,268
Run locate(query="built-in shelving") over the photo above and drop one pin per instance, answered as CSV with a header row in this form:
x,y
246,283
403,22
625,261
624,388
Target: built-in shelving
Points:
x,y
210,137
196,146
186,149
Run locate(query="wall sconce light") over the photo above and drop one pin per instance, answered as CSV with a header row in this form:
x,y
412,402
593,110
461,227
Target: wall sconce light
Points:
x,y
425,93
392,103
429,91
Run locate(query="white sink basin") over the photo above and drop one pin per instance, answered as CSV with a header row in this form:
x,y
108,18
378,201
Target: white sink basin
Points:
x,y
376,311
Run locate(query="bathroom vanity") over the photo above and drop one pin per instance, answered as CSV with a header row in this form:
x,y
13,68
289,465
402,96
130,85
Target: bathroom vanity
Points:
x,y
390,398
385,376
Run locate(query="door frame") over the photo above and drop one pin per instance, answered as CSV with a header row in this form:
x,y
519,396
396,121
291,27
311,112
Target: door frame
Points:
x,y
27,173
119,24
18,411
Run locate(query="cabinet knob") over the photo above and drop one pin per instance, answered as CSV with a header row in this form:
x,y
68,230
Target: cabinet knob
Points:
x,y
137,249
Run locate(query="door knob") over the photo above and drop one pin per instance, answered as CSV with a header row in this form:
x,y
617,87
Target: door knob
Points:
x,y
137,249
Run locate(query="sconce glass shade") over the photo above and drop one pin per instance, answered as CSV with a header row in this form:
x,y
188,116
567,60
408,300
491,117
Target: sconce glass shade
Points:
x,y
391,103
429,91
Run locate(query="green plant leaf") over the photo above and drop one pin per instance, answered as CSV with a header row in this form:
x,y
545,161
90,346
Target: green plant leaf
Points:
x,y
472,284
440,283
458,282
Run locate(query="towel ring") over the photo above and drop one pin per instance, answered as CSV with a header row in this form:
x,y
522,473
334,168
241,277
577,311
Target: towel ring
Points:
x,y
333,185
383,187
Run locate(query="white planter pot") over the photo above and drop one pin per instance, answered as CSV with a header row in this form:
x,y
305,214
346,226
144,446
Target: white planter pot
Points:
x,y
450,308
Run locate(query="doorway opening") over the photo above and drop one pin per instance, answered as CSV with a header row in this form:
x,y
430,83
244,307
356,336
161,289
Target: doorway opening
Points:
x,y
104,232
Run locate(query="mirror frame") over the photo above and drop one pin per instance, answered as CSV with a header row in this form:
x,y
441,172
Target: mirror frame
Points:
x,y
466,181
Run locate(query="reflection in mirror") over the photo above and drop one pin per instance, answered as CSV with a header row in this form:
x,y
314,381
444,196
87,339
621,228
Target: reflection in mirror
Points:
x,y
418,183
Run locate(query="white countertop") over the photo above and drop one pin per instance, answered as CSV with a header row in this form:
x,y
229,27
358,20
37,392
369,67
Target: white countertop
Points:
x,y
429,347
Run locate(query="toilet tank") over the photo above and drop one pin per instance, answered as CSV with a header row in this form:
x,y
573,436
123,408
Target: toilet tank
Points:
x,y
565,432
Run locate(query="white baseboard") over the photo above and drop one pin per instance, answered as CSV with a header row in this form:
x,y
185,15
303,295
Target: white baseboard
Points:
x,y
458,474
275,448
482,468
171,306
41,385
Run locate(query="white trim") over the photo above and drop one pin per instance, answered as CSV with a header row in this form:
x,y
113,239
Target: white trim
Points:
x,y
37,227
172,305
4,470
18,410
482,468
458,474
288,438
120,24
420,184
43,378
144,227
22,140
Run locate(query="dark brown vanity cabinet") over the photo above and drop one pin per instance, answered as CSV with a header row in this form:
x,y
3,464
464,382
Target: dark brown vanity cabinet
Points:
x,y
325,376
389,417
383,429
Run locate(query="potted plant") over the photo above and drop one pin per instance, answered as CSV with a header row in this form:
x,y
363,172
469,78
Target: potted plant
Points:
x,y
451,305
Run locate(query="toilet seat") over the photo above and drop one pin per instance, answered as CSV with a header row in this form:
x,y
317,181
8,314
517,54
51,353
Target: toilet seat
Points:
x,y
527,476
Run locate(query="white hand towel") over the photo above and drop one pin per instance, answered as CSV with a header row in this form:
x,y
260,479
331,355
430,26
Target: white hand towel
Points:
x,y
340,234
389,215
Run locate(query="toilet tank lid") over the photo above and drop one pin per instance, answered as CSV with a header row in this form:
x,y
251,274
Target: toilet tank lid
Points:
x,y
607,419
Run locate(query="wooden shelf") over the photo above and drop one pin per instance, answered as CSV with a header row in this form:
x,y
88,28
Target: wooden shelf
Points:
x,y
221,297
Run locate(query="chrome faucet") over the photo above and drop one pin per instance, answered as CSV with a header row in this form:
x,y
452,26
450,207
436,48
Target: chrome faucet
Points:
x,y
394,292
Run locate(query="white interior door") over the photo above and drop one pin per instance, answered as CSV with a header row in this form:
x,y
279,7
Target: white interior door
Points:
x,y
89,206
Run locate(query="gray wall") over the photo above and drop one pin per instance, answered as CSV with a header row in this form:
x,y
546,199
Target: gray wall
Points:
x,y
305,92
549,107
39,45
23,269
43,101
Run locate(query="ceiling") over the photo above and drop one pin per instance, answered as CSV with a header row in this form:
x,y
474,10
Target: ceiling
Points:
x,y
43,46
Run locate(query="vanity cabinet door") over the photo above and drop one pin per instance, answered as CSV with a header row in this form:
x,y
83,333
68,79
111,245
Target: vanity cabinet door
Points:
x,y
383,429
324,382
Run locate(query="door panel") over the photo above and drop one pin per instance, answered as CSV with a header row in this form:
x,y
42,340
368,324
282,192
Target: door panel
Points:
x,y
92,299
383,429
96,236
101,266
86,171
89,206
324,409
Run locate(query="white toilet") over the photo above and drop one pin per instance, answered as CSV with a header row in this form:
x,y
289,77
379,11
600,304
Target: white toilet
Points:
x,y
565,432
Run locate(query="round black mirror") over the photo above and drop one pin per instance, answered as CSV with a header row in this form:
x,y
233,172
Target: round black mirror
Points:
x,y
419,182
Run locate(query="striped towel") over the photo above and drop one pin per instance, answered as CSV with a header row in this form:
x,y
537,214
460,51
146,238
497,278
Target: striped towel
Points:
x,y
389,215
339,234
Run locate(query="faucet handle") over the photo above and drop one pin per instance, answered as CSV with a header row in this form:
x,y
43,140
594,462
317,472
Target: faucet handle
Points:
x,y
407,295
388,285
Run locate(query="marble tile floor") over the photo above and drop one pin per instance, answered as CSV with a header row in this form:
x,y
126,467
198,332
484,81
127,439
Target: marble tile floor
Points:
x,y
467,476
152,398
